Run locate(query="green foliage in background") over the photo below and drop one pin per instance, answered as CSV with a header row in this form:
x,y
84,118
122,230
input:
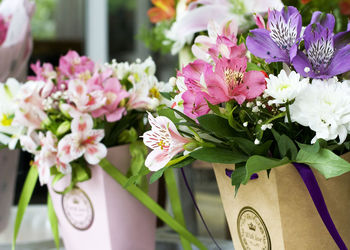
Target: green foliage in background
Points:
x,y
155,39
43,22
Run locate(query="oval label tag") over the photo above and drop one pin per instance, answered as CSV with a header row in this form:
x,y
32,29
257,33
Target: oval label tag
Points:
x,y
252,231
78,209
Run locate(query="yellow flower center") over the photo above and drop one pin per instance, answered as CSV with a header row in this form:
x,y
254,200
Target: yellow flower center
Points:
x,y
154,93
6,120
161,144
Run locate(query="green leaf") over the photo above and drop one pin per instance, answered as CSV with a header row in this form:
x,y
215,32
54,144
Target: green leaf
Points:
x,y
253,66
325,161
286,146
24,199
156,175
185,117
175,202
167,95
238,176
53,221
233,123
217,125
148,202
214,108
313,148
219,155
167,112
257,163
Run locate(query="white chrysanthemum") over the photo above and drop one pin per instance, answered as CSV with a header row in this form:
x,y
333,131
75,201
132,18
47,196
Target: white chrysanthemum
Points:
x,y
324,106
284,88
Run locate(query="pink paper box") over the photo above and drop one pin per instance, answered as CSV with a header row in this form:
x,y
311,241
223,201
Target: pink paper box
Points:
x,y
8,173
101,214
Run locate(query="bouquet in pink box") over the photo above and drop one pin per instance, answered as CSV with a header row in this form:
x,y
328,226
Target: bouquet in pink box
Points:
x,y
276,96
72,119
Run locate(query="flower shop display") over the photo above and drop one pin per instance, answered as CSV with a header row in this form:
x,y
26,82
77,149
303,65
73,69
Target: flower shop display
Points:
x,y
270,110
15,46
81,122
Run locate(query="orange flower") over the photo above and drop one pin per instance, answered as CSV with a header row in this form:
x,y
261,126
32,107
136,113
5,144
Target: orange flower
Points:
x,y
163,10
345,7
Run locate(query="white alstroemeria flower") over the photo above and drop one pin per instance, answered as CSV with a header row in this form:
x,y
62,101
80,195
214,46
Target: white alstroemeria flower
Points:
x,y
165,141
285,88
9,133
47,158
84,140
324,106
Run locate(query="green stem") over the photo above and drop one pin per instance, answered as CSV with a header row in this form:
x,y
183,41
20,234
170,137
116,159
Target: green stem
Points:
x,y
175,202
150,203
24,199
288,113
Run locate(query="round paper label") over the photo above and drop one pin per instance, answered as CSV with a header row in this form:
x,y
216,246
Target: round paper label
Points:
x,y
252,231
78,209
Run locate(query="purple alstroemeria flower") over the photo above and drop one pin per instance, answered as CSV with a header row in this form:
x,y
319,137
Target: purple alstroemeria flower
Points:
x,y
326,55
278,43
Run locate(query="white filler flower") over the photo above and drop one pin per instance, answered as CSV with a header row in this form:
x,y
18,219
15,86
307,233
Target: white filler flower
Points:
x,y
324,106
284,88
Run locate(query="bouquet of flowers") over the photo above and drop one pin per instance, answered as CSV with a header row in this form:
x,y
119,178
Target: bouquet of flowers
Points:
x,y
275,96
68,116
279,93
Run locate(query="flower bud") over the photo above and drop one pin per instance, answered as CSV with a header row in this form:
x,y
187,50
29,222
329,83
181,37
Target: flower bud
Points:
x,y
63,128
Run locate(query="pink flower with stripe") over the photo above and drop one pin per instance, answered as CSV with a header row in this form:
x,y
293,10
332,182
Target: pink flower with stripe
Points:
x,y
83,141
165,141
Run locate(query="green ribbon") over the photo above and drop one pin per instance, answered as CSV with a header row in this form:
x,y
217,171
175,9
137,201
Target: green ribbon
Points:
x,y
53,221
150,203
175,202
24,200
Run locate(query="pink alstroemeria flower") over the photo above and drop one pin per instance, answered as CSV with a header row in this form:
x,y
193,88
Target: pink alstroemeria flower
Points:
x,y
195,103
223,34
85,100
113,93
165,141
231,81
42,73
72,65
82,141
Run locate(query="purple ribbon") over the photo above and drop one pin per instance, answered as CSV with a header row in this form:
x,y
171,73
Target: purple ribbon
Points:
x,y
197,208
316,194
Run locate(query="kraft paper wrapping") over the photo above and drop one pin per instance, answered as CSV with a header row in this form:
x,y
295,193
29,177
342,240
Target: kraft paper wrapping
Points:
x,y
101,214
278,212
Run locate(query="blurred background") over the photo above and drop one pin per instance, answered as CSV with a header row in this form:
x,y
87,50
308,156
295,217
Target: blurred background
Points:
x,y
106,30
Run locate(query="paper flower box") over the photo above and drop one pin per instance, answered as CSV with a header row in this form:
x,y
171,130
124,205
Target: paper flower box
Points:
x,y
101,214
277,212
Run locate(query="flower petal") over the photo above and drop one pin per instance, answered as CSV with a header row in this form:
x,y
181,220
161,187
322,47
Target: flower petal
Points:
x,y
157,159
260,44
340,63
82,124
95,153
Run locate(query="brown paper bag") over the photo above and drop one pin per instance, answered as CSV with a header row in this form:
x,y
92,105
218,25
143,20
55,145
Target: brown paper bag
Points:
x,y
278,212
